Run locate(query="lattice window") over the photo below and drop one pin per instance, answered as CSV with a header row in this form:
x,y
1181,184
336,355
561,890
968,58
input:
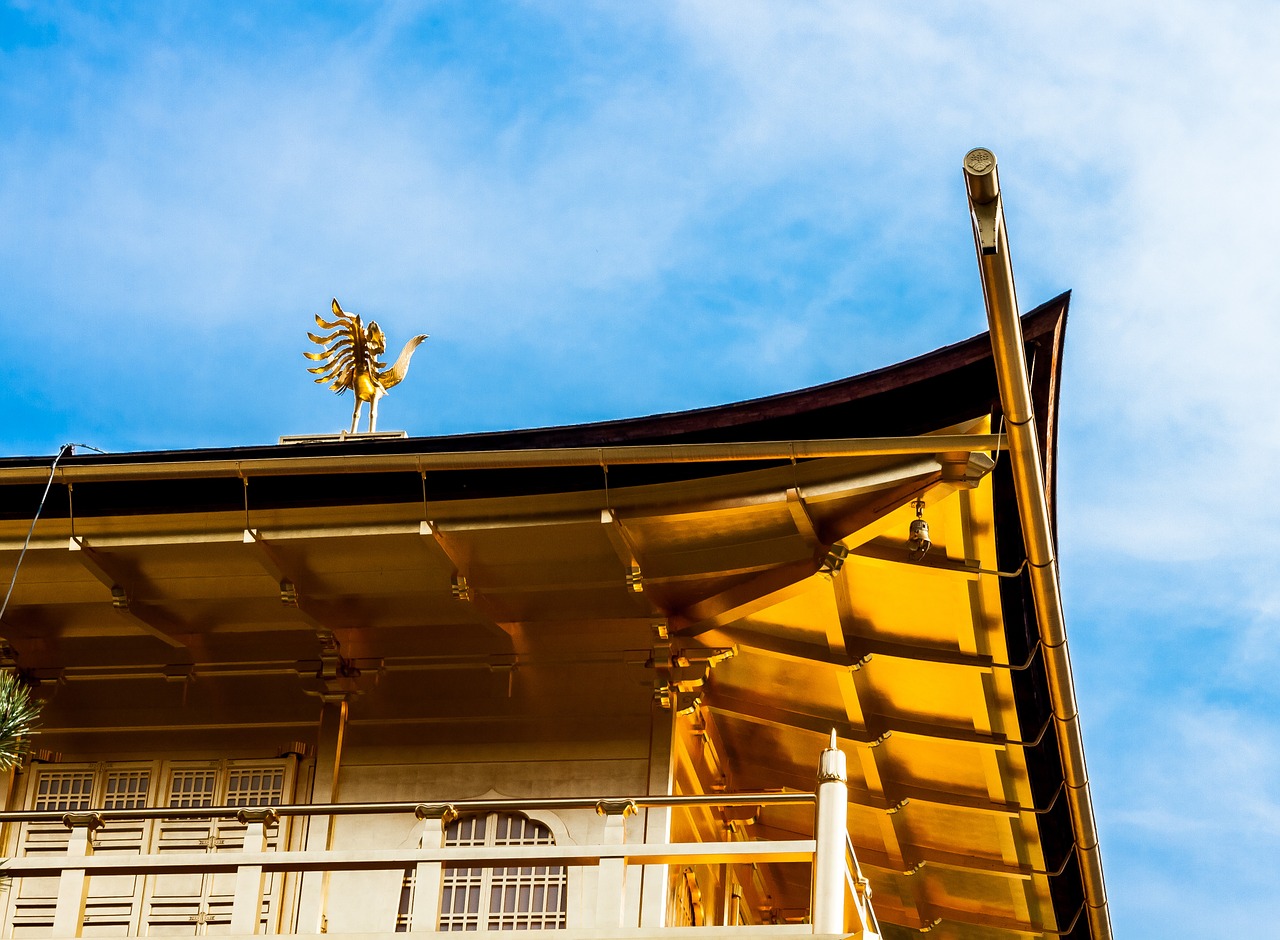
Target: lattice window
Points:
x,y
65,790
126,789
192,787
525,898
255,787
131,905
110,902
177,901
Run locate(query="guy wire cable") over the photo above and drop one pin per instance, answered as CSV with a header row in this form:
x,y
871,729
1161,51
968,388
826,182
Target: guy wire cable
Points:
x,y
62,452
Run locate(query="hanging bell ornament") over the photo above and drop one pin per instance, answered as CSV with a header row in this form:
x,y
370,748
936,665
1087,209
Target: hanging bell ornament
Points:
x,y
918,534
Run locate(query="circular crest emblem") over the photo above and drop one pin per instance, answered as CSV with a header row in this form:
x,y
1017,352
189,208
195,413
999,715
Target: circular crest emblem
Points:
x,y
979,160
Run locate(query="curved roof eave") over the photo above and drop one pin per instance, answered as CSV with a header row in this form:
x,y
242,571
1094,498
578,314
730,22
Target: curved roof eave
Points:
x,y
938,389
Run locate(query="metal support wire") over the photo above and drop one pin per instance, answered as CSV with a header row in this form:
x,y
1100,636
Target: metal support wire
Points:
x,y
63,451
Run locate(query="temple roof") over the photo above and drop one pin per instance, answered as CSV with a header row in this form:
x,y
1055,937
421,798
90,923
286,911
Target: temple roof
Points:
x,y
525,544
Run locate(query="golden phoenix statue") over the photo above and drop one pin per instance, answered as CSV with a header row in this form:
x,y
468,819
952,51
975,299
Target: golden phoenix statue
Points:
x,y
349,360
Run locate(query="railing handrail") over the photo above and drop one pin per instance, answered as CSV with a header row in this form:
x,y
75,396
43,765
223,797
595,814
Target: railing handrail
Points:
x,y
589,854
412,806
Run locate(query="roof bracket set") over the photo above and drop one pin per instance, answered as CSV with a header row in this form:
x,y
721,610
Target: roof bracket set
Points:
x,y
681,673
336,678
965,469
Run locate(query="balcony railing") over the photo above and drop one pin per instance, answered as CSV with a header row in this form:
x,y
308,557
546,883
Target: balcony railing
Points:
x,y
840,902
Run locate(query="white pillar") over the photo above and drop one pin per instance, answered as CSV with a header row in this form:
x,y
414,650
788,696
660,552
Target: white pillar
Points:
x,y
830,832
612,885
429,876
73,884
246,905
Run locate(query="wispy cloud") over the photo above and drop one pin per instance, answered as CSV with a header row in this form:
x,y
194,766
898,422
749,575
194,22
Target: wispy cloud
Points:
x,y
600,210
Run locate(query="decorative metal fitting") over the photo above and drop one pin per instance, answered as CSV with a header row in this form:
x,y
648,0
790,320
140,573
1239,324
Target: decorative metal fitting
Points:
x,y
265,815
445,812
459,588
90,821
299,749
623,808
662,695
832,764
834,559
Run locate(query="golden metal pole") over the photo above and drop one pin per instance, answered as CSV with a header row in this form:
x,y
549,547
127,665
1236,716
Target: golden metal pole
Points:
x,y
991,241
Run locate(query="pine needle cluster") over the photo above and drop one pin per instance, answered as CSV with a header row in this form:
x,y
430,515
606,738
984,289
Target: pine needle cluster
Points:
x,y
18,717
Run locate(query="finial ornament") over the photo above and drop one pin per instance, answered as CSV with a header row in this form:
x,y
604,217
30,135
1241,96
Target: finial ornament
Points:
x,y
831,762
350,359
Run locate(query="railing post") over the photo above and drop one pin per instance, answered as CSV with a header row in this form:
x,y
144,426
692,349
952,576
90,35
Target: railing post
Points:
x,y
830,831
612,873
246,906
73,884
429,876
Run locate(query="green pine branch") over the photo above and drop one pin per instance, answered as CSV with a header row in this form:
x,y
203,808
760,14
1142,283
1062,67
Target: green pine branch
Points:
x,y
18,718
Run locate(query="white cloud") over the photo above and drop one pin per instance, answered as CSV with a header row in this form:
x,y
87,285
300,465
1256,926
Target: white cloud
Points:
x,y
639,229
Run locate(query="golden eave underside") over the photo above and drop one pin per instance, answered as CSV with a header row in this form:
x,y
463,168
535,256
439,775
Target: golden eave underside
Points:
x,y
906,660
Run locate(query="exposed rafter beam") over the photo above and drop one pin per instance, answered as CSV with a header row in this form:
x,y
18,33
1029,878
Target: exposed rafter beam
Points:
x,y
123,586
894,551
779,648
862,650
434,539
624,548
864,521
762,713
748,597
879,727
986,924
785,581
448,552
804,522
292,593
868,647
920,858
898,796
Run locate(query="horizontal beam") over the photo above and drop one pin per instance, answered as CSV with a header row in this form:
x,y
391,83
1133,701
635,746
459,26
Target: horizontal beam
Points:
x,y
100,470
704,853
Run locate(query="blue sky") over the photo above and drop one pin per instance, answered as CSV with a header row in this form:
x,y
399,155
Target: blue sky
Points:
x,y
599,210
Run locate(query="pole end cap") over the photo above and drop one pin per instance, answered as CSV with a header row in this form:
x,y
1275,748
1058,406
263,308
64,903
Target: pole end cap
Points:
x,y
980,175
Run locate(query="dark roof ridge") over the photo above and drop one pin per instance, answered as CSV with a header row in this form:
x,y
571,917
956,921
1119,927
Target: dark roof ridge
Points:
x,y
934,390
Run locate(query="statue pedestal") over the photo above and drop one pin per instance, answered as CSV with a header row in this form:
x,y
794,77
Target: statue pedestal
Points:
x,y
342,436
